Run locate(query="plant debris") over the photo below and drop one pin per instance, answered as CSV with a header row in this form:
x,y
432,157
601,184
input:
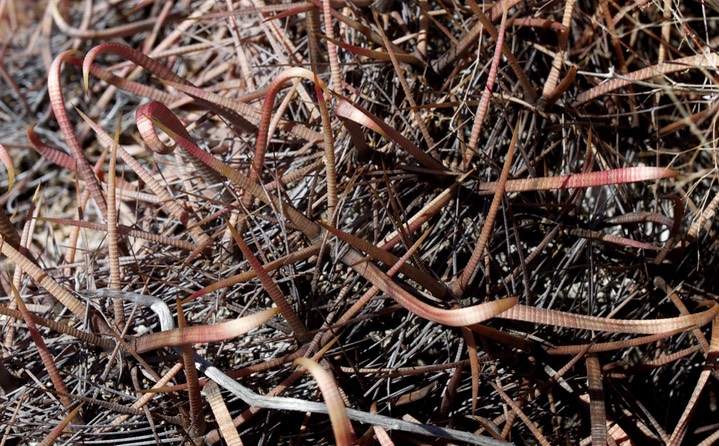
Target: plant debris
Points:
x,y
358,222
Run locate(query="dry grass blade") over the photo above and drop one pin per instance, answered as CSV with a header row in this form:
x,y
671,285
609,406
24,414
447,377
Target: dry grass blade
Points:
x,y
45,355
124,230
222,415
298,328
499,11
58,106
420,120
437,289
706,215
196,334
331,48
112,217
7,162
328,142
381,434
712,355
57,431
473,364
551,83
609,238
249,275
42,279
591,179
294,404
163,116
147,397
365,298
125,84
708,61
263,132
170,203
103,343
359,115
518,411
461,284
583,322
484,102
453,318
431,209
7,229
596,347
378,55
344,435
62,159
597,409
196,426
127,52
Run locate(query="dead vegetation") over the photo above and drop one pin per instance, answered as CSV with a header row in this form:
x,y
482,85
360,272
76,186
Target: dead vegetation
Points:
x,y
338,222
